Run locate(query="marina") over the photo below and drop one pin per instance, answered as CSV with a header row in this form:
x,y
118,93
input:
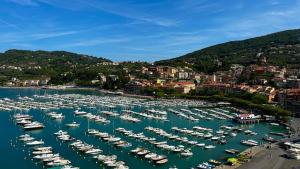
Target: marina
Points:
x,y
87,129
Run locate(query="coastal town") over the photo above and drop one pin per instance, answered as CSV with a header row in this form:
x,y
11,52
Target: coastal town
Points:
x,y
139,84
279,85
247,98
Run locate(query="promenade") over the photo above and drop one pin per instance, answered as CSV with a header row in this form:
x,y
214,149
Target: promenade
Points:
x,y
271,158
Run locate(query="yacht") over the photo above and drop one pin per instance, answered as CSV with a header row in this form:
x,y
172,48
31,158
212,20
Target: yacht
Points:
x,y
136,150
143,152
129,118
45,156
186,153
39,152
214,162
232,151
210,147
205,166
58,116
93,151
249,142
269,139
57,163
35,143
200,144
158,157
73,124
233,134
69,167
79,113
247,131
150,155
60,132
24,122
42,148
215,138
163,161
33,126
26,139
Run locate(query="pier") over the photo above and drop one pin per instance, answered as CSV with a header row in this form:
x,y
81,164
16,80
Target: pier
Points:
x,y
247,121
247,118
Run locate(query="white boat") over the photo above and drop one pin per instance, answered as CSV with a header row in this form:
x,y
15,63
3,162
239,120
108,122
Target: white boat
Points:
x,y
150,155
57,163
42,148
129,118
24,122
249,142
200,144
233,134
215,138
42,152
210,147
247,131
35,143
163,161
186,153
44,156
78,113
60,132
33,126
93,151
73,124
26,139
58,116
69,167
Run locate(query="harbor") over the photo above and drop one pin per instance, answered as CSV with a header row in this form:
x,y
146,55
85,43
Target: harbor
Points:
x,y
87,129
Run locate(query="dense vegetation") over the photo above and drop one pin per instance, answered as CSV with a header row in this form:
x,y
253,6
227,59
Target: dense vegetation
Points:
x,y
64,68
24,64
282,48
46,58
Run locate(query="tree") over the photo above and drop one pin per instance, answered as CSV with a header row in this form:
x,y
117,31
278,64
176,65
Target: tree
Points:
x,y
259,98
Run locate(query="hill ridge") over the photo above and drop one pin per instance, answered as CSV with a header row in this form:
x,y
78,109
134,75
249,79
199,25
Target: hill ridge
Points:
x,y
280,48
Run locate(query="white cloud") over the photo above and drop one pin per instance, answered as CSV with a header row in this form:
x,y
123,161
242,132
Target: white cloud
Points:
x,y
116,8
48,35
11,25
95,42
24,2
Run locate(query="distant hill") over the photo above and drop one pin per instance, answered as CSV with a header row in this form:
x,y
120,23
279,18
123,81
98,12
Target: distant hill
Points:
x,y
25,64
281,48
47,58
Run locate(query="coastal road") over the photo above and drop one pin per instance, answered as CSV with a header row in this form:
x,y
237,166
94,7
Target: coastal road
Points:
x,y
271,159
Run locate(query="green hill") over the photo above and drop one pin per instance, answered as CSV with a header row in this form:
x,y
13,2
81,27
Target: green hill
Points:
x,y
25,64
281,48
46,58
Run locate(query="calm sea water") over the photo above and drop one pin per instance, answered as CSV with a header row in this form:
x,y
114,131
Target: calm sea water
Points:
x,y
15,156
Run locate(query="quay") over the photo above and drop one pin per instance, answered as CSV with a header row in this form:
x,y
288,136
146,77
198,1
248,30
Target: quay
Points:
x,y
247,119
270,156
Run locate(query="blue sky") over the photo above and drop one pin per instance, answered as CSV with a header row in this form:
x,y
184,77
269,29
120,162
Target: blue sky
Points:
x,y
139,30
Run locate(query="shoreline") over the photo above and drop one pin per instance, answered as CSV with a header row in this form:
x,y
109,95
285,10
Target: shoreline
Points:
x,y
79,88
48,88
251,152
